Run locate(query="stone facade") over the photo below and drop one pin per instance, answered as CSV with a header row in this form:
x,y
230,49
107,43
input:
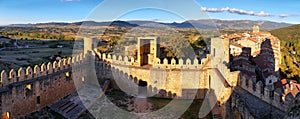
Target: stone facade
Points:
x,y
178,78
25,91
254,40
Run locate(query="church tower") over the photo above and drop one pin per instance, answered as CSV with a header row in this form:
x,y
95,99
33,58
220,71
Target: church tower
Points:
x,y
255,29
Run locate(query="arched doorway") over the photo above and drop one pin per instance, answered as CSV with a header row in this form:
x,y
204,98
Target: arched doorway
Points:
x,y
142,90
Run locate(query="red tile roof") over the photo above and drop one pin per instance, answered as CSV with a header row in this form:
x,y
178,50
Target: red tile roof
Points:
x,y
288,86
253,39
237,45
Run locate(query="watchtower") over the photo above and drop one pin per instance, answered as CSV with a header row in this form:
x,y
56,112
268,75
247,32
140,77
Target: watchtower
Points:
x,y
89,45
148,50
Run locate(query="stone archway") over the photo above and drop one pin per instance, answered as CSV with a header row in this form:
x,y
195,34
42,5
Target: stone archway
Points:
x,y
142,89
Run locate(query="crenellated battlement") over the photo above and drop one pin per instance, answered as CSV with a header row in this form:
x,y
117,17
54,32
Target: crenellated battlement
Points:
x,y
158,63
172,71
266,93
29,73
32,88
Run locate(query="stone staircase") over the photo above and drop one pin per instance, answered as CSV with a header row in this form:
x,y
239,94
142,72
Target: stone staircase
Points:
x,y
69,108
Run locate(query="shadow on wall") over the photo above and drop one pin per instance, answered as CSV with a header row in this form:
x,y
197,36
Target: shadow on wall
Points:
x,y
134,86
258,68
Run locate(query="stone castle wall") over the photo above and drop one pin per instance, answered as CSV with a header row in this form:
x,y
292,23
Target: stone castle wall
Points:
x,y
266,94
183,78
159,76
28,90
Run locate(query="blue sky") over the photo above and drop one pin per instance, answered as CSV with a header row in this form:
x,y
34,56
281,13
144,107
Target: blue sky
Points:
x,y
36,11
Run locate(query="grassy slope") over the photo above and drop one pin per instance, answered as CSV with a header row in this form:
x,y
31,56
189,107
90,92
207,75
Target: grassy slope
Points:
x,y
288,33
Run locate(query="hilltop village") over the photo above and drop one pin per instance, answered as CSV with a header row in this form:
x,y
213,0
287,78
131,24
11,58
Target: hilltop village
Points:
x,y
257,56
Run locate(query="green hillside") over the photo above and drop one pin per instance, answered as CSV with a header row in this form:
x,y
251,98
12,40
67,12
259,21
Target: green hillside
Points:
x,y
290,51
287,33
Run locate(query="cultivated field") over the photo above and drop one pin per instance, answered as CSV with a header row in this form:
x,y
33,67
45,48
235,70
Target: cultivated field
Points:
x,y
25,53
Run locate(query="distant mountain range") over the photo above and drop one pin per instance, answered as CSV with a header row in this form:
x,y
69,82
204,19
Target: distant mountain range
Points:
x,y
85,23
202,24
221,24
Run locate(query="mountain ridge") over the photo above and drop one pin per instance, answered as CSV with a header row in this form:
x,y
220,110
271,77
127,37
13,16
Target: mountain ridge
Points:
x,y
202,24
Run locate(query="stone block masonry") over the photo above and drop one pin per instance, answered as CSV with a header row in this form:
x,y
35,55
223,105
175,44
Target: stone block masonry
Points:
x,y
25,91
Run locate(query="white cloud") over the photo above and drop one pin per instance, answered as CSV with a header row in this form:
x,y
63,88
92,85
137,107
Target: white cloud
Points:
x,y
211,9
263,14
236,11
288,15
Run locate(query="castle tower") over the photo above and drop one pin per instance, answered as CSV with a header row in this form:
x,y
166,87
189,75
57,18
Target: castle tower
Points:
x,y
220,48
255,29
220,54
148,50
89,45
